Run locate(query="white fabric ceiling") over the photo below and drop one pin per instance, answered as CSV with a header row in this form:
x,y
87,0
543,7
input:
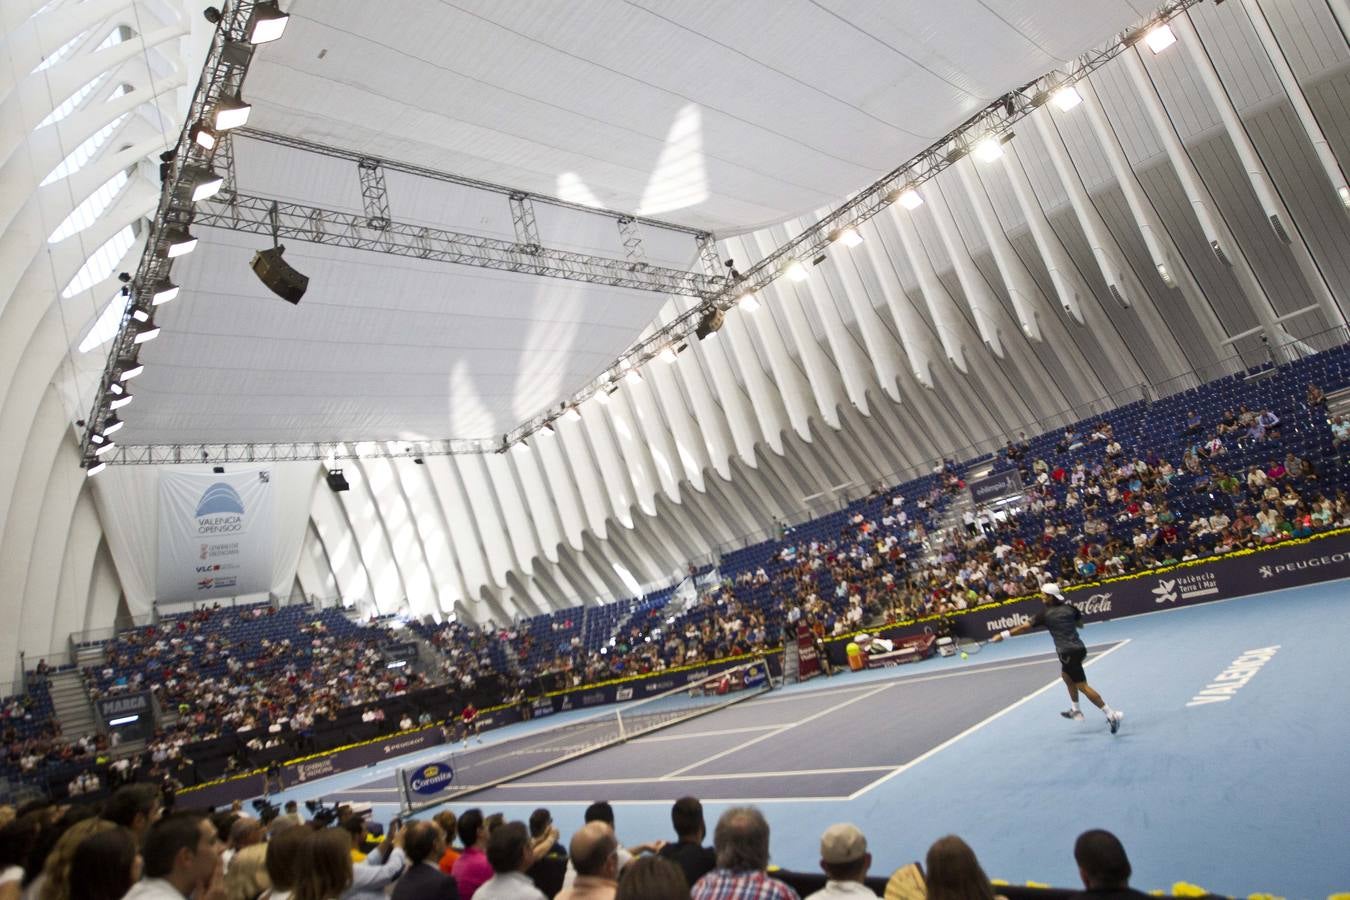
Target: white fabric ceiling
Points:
x,y
726,116
708,114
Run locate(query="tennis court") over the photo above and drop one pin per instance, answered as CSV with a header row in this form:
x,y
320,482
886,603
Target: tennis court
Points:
x,y
1239,795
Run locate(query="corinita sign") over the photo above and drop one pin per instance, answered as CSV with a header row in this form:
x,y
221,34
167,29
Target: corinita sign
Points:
x,y
215,534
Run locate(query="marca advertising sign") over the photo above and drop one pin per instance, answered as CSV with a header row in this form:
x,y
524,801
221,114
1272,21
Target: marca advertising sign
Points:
x,y
121,705
429,779
995,487
215,534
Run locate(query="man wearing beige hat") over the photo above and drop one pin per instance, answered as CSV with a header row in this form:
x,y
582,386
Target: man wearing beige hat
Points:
x,y
844,857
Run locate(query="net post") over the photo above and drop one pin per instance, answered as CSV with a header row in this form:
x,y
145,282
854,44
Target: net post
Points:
x,y
618,717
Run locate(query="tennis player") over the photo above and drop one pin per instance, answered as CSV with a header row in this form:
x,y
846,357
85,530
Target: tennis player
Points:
x,y
1062,619
468,717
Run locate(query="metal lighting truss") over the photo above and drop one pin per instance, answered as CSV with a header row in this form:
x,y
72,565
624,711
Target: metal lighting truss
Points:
x,y
363,231
718,293
223,74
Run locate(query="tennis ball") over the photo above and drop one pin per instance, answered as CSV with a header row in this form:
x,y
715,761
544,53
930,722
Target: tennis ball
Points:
x,y
965,655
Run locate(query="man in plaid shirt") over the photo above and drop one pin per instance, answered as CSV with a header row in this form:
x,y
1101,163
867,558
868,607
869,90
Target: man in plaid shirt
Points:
x,y
741,840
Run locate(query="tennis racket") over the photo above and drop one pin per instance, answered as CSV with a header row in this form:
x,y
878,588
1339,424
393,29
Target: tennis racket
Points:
x,y
967,645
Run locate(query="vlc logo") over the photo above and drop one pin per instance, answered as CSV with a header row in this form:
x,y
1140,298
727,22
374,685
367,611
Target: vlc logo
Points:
x,y
1165,592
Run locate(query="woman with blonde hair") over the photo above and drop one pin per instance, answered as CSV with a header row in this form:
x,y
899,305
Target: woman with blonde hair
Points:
x,y
323,866
953,872
246,878
56,871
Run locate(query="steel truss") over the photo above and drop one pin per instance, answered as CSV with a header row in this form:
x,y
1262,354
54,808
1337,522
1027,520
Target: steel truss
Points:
x,y
359,231
299,451
227,61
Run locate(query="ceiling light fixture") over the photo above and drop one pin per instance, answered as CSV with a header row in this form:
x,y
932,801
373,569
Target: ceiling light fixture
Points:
x,y
267,23
203,136
112,425
796,271
748,302
849,237
95,469
231,112
206,182
131,371
989,148
147,331
1160,37
178,241
1066,98
163,293
103,448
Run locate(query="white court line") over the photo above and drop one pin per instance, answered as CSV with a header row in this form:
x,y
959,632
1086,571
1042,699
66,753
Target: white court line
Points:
x,y
792,773
977,726
657,738
777,731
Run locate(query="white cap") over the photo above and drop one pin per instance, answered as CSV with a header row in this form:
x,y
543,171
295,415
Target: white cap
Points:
x,y
1053,590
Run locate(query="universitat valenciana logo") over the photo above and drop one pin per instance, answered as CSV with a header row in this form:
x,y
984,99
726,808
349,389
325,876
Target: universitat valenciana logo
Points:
x,y
220,511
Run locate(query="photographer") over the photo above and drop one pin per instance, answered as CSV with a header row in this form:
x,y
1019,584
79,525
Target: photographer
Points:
x,y
381,867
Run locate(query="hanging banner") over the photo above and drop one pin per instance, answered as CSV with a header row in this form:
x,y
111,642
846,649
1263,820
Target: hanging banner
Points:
x,y
215,534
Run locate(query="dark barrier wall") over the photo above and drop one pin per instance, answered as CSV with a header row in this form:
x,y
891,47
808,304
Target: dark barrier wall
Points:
x,y
1290,564
367,754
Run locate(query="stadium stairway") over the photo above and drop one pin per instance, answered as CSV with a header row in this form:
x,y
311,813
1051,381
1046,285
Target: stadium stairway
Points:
x,y
71,703
1338,403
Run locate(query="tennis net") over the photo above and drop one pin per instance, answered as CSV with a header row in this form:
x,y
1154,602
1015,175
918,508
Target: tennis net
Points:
x,y
479,767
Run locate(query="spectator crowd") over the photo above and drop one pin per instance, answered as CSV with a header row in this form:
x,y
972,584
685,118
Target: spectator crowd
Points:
x,y
131,846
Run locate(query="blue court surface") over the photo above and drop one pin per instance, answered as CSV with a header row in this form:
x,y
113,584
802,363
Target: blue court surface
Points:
x,y
1244,794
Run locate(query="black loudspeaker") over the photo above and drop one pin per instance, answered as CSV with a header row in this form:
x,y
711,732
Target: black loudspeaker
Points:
x,y
337,481
278,275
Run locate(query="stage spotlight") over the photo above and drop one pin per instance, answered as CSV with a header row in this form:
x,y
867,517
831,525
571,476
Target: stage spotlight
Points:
x,y
112,425
218,470
267,23
1066,98
230,112
849,237
1160,37
163,293
709,324
146,331
119,402
95,469
667,355
131,370
989,148
178,241
633,377
957,152
796,271
203,136
140,315
212,15
602,396
748,302
278,276
571,415
105,447
1166,276
547,429
337,482
205,182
